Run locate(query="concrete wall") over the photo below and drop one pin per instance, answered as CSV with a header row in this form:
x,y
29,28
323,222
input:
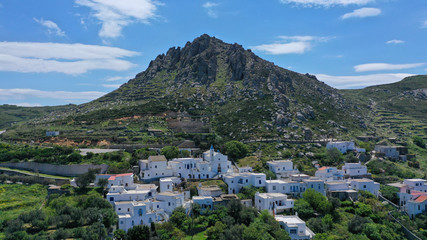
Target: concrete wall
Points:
x,y
61,170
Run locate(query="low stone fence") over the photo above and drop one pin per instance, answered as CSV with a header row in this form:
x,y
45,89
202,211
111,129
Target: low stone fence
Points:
x,y
35,178
61,170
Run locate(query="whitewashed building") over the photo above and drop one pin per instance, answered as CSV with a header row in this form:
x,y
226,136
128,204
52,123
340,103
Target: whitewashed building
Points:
x,y
417,205
296,227
328,174
295,186
119,193
124,179
205,202
170,200
168,184
282,168
273,202
342,146
211,165
412,193
237,181
132,213
212,191
355,170
365,185
155,167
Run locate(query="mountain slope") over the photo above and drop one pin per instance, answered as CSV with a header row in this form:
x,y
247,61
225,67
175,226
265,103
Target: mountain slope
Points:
x,y
408,96
216,87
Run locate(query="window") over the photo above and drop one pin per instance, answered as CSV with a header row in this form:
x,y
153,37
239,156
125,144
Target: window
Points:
x,y
128,210
293,231
121,222
259,181
140,212
120,209
246,180
112,199
169,203
274,187
364,186
283,187
168,186
157,206
155,166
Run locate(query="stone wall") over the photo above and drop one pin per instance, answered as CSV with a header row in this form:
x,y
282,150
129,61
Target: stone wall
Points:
x,y
61,170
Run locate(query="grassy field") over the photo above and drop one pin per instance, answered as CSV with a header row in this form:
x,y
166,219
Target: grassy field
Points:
x,y
16,199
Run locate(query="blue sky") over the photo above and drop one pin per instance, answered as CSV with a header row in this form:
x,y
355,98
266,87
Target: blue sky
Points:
x,y
58,52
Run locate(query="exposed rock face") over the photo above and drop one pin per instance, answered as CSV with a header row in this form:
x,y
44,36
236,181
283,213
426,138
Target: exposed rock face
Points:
x,y
243,95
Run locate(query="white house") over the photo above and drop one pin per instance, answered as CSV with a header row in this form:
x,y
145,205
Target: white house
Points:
x,y
168,184
365,184
124,179
155,167
411,192
329,174
273,202
237,181
119,193
295,186
210,166
342,146
218,162
296,227
205,202
132,213
282,168
417,206
245,169
212,191
170,200
337,186
355,170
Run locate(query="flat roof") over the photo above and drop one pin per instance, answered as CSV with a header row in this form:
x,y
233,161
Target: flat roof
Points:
x,y
289,219
362,180
265,195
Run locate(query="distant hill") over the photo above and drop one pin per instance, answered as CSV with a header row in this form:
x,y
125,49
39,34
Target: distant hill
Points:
x,y
208,87
408,96
11,114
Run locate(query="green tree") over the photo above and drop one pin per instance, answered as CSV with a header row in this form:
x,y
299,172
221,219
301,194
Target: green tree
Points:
x,y
74,158
334,156
356,224
236,150
313,197
120,234
303,208
419,141
178,217
215,232
102,182
139,232
170,152
85,179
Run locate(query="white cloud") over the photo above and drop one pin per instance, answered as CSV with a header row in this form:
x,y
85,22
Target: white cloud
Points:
x,y
52,28
326,3
395,41
385,66
362,13
60,57
111,85
424,25
209,6
118,78
349,82
283,48
116,14
23,93
290,45
28,104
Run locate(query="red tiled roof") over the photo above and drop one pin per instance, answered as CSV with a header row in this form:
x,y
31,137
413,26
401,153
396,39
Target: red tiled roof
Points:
x,y
421,199
323,168
113,177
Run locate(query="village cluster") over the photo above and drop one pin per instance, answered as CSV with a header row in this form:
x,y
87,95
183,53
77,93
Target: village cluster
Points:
x,y
138,204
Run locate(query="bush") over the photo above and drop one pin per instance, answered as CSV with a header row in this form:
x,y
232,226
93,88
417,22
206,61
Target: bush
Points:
x,y
419,141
